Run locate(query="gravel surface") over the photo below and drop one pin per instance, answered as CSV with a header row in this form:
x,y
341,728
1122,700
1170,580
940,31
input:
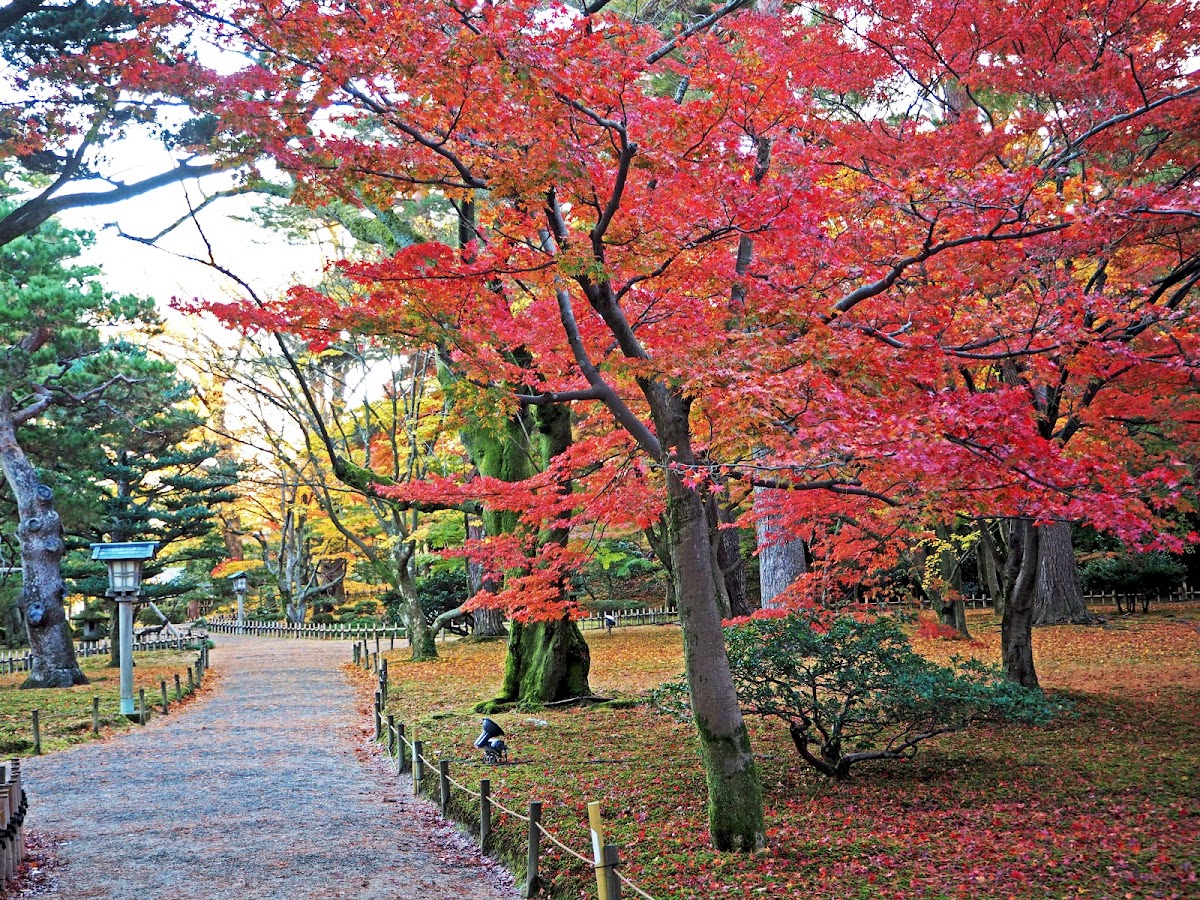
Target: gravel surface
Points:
x,y
268,786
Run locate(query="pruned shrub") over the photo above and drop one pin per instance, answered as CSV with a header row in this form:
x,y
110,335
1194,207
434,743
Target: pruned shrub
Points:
x,y
851,688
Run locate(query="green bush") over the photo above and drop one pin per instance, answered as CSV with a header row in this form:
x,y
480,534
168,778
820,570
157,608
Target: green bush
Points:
x,y
852,688
1134,573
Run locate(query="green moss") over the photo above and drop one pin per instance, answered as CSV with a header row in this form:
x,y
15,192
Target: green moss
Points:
x,y
735,799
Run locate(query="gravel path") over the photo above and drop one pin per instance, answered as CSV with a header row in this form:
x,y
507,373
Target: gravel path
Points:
x,y
267,787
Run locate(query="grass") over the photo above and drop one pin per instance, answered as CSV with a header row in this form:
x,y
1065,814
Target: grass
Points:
x,y
66,713
1101,803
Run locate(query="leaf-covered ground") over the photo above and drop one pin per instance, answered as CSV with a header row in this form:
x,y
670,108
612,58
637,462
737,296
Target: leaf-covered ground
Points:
x,y
1100,804
66,713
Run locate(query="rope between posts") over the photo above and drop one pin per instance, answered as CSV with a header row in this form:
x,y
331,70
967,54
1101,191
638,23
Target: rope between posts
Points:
x,y
590,863
504,809
466,790
629,884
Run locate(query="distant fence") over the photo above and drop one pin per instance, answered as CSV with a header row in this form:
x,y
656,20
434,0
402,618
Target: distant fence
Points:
x,y
410,756
12,661
324,631
663,615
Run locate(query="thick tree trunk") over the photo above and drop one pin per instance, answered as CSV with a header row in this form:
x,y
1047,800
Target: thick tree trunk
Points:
x,y
546,661
735,806
781,559
40,534
734,790
537,651
1016,626
1058,599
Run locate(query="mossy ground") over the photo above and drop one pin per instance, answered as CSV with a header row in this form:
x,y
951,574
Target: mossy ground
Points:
x,y
66,713
1102,803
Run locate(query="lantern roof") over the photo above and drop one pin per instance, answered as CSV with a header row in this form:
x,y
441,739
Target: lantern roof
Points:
x,y
128,550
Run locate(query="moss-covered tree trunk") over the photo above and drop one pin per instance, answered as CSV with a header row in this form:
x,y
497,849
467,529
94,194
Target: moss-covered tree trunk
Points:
x,y
39,531
545,661
735,808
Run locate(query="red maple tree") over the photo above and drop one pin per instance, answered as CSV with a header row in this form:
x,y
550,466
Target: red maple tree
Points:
x,y
902,262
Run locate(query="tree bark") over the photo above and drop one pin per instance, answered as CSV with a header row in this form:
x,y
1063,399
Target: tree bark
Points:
x,y
489,623
546,661
781,559
422,645
1016,626
40,534
1058,599
731,565
538,652
735,810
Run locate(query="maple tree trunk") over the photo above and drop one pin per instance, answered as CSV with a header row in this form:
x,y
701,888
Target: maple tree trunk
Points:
x,y
422,645
1016,625
734,791
546,661
538,652
1058,598
40,534
780,562
735,805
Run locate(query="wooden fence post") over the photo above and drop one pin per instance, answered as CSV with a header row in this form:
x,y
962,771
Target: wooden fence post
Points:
x,y
444,785
485,813
191,680
178,689
378,716
95,715
37,732
596,824
418,767
163,685
391,730
535,840
142,706
401,750
612,858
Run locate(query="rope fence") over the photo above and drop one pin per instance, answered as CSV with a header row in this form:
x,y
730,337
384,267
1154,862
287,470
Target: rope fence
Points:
x,y
145,709
410,756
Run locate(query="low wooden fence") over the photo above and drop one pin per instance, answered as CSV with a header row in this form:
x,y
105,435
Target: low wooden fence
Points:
x,y
323,631
195,678
13,807
410,757
12,661
338,632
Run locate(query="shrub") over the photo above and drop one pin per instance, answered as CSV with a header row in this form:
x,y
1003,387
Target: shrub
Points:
x,y
1134,573
851,688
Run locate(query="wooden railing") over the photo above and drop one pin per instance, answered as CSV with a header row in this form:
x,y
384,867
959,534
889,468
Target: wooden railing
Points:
x,y
410,755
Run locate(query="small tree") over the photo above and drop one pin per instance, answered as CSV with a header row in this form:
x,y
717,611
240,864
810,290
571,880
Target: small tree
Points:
x,y
851,688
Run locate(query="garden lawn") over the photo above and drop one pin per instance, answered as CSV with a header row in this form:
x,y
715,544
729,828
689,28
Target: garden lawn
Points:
x,y
1102,803
66,713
